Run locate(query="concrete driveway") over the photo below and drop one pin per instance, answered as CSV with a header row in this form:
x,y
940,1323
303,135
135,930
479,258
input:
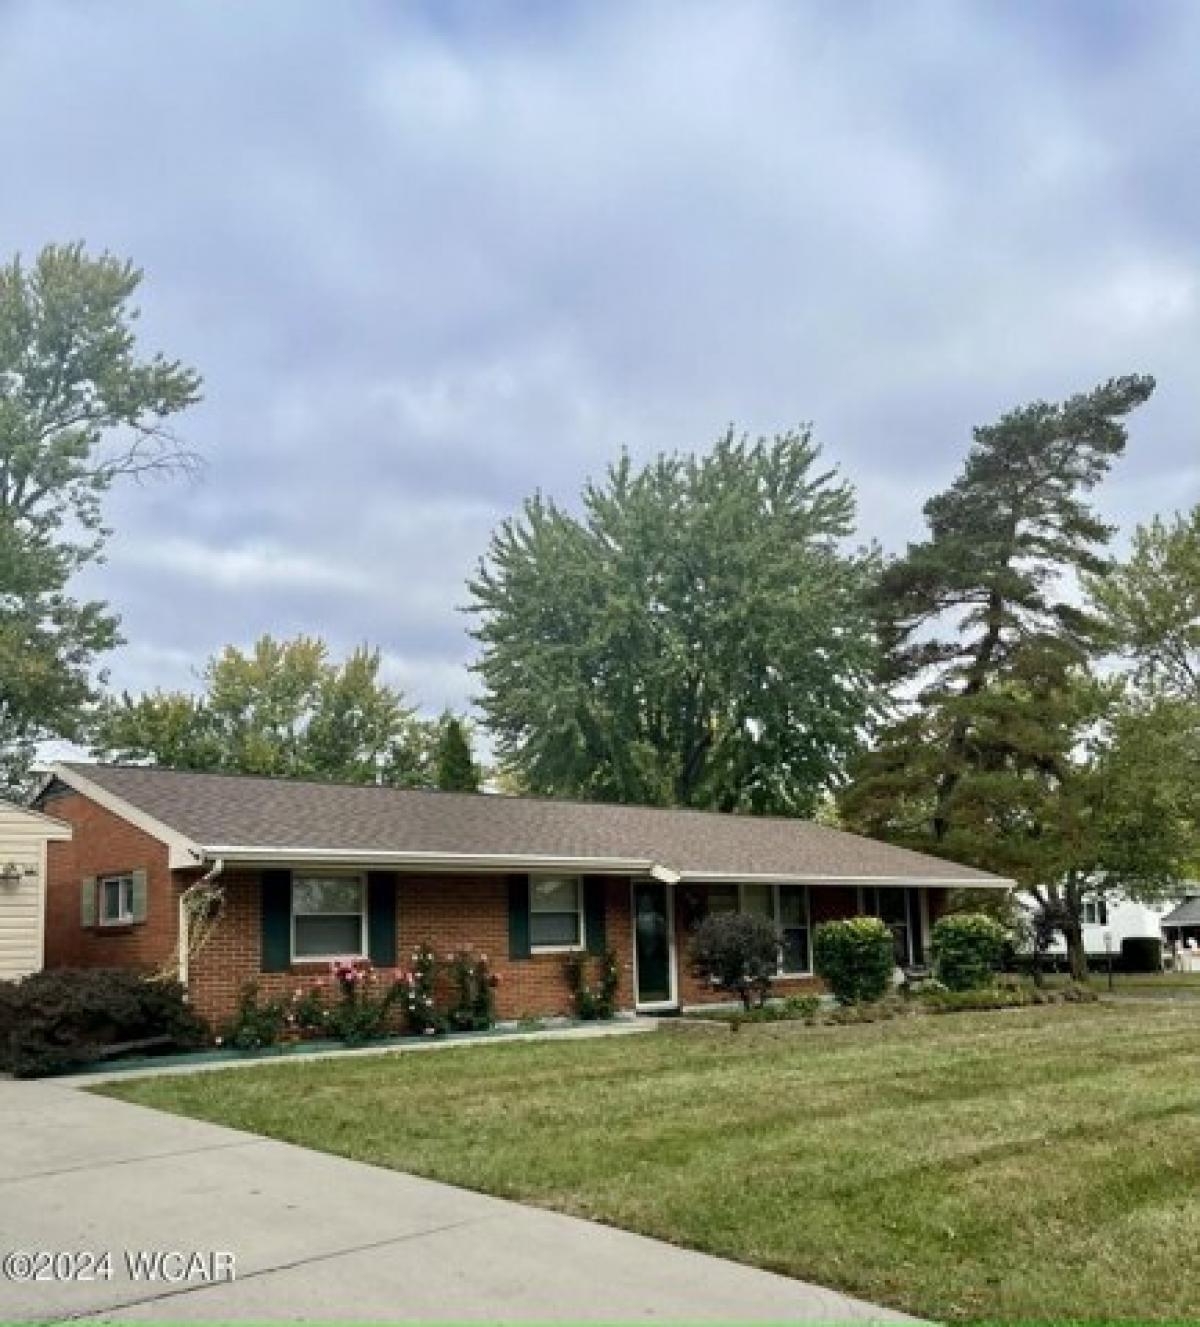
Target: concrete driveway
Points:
x,y
315,1237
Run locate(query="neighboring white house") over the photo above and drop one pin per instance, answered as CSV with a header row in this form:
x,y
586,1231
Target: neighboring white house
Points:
x,y
23,838
1118,919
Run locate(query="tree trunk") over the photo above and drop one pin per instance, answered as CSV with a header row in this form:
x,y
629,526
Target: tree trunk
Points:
x,y
1039,977
1076,954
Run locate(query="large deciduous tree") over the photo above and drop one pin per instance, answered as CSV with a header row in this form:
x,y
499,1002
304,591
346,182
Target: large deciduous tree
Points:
x,y
286,709
697,636
1150,606
989,651
1150,603
79,409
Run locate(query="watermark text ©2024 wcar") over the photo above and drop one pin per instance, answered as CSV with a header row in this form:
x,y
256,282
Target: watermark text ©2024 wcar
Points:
x,y
168,1266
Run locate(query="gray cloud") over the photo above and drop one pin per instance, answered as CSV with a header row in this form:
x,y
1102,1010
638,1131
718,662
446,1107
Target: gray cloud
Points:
x,y
430,258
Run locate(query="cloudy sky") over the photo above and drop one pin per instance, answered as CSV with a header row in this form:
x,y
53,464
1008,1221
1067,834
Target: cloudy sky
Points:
x,y
430,257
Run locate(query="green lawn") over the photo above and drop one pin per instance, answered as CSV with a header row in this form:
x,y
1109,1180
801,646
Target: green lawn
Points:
x,y
1033,1164
1169,985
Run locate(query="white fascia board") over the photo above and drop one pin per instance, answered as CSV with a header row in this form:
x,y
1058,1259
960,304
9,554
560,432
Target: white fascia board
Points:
x,y
828,878
181,851
234,854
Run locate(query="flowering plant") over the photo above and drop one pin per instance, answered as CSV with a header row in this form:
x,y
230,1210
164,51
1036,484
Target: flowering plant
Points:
x,y
415,990
348,974
594,998
361,1010
308,1011
475,985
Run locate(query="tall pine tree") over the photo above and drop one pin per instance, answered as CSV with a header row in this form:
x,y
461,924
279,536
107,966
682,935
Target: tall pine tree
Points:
x,y
987,646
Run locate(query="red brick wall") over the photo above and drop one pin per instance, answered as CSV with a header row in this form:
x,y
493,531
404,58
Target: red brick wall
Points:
x,y
448,912
104,844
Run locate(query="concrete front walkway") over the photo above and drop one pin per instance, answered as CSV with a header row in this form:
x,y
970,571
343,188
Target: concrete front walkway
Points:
x,y
319,1238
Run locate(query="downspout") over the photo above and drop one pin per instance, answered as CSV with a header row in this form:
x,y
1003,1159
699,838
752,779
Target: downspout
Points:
x,y
213,873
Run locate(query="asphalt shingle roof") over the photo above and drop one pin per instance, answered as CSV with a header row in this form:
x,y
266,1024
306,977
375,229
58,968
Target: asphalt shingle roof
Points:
x,y
227,810
1186,914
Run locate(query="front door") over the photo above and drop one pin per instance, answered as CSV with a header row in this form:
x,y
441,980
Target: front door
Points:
x,y
653,945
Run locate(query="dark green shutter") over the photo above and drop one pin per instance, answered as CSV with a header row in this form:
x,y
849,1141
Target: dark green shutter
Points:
x,y
518,916
276,921
593,913
381,918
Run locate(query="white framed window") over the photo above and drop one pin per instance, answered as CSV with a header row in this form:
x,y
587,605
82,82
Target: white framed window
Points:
x,y
555,913
890,905
115,899
785,906
329,916
1095,912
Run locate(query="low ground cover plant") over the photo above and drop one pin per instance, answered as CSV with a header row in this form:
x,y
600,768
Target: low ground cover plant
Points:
x,y
795,1008
70,1017
856,958
1003,997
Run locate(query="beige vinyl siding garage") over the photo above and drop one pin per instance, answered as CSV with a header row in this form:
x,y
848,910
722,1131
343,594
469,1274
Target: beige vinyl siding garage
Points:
x,y
23,838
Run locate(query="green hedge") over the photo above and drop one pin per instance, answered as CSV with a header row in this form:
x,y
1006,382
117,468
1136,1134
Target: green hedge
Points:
x,y
855,957
69,1017
1141,953
968,949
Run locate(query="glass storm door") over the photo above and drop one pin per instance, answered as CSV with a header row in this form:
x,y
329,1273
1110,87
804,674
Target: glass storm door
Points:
x,y
652,943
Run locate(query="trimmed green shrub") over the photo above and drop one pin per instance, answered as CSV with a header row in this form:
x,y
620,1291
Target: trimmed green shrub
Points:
x,y
1141,953
65,1018
967,949
738,952
855,957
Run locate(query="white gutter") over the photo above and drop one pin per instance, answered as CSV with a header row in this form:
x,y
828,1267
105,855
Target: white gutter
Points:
x,y
429,861
827,878
446,862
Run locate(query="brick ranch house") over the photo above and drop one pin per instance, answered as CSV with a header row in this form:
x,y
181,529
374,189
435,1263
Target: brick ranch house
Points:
x,y
312,871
